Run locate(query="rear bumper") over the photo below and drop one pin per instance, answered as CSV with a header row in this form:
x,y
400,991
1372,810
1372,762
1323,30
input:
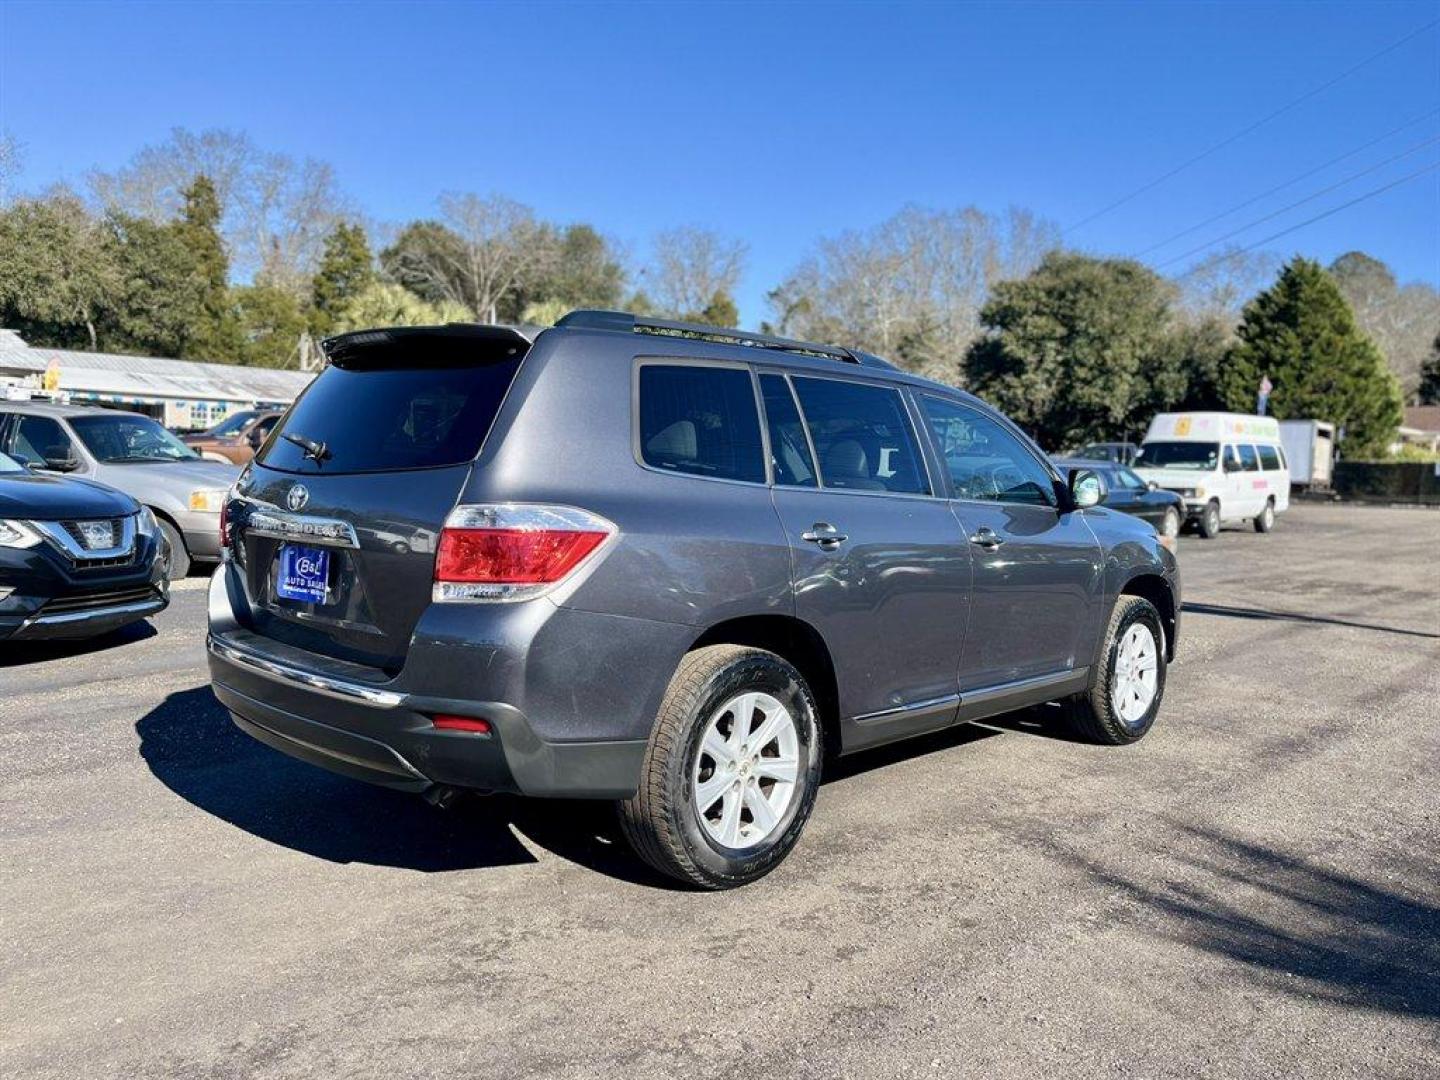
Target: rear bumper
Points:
x,y
345,718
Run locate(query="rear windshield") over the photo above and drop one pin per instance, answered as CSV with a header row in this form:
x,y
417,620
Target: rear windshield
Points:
x,y
380,419
1178,455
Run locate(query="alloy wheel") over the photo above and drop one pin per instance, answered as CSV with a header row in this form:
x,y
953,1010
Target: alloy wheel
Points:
x,y
746,771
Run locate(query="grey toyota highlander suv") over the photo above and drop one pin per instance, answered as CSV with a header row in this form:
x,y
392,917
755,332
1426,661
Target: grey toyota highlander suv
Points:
x,y
664,564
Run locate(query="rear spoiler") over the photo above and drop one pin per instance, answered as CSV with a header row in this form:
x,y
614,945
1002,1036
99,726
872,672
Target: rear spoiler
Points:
x,y
451,343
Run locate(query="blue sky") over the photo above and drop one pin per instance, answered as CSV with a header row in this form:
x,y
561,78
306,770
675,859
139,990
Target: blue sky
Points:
x,y
774,123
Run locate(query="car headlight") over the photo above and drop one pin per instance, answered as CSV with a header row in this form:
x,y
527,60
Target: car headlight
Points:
x,y
208,500
1199,493
145,522
16,534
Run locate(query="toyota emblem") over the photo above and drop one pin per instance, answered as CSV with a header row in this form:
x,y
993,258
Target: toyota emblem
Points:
x,y
298,497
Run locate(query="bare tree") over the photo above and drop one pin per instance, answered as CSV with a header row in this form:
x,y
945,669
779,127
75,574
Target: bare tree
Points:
x,y
1218,286
275,210
911,288
690,268
476,254
1402,320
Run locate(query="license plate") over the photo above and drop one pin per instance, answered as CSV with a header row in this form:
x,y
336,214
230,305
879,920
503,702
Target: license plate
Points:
x,y
304,574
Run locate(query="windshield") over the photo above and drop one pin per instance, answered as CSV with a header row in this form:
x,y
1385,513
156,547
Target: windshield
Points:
x,y
1202,456
9,464
231,425
122,439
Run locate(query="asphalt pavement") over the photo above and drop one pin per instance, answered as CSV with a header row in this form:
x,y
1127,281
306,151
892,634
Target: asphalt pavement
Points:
x,y
1253,890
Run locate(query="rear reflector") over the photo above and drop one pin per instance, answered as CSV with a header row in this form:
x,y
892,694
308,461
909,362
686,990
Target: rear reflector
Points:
x,y
513,551
473,724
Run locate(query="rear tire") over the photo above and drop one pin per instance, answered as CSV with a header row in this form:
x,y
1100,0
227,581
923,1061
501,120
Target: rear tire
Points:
x,y
177,556
1125,697
1210,520
713,808
1265,520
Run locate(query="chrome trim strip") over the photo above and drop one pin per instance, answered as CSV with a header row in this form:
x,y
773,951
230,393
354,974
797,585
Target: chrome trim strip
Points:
x,y
265,520
145,606
1034,682
918,706
58,535
308,680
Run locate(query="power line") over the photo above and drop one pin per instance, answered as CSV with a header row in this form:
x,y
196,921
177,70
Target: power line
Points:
x,y
1288,183
1298,202
1333,210
1257,124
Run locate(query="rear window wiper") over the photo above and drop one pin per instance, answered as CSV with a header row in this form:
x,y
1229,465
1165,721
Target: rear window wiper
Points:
x,y
316,451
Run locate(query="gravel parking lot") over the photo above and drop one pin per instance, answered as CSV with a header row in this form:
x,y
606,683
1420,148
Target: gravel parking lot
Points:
x,y
1252,890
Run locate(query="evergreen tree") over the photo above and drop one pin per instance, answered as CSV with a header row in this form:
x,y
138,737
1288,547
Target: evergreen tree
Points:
x,y
1301,334
1079,350
345,271
216,333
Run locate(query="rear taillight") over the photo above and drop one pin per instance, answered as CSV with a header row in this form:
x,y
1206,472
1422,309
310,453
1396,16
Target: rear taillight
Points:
x,y
225,524
513,551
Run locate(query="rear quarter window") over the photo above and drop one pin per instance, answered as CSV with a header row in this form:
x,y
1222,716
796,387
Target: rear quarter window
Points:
x,y
700,420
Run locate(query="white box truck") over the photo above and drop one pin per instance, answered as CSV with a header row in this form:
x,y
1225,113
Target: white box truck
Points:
x,y
1310,449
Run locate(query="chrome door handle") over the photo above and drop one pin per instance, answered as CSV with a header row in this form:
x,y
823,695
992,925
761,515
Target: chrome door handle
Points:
x,y
824,534
987,538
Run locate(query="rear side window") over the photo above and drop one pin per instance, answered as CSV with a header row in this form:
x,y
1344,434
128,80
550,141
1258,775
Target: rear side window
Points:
x,y
39,438
862,437
379,419
1249,460
1269,457
789,450
700,420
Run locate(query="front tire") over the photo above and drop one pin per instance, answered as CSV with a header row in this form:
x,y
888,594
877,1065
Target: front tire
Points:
x,y
1265,520
1125,698
731,772
177,555
1210,520
1170,523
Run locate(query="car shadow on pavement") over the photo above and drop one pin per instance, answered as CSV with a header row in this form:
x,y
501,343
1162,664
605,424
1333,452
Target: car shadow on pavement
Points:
x,y
1191,608
192,747
15,653
1308,929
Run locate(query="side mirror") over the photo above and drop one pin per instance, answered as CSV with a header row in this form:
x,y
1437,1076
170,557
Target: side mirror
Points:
x,y
62,465
1086,489
255,438
1151,485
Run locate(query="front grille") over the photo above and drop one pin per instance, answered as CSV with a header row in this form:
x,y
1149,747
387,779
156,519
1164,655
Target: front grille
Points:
x,y
99,599
77,534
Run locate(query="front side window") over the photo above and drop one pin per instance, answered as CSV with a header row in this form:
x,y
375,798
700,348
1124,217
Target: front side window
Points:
x,y
1269,457
700,420
986,463
862,437
1249,460
42,439
123,439
789,450
1200,456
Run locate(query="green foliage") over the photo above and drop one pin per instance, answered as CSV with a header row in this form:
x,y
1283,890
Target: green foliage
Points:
x,y
1081,349
214,333
345,270
157,304
56,275
576,268
388,304
1199,350
545,312
720,311
273,323
1429,392
1301,333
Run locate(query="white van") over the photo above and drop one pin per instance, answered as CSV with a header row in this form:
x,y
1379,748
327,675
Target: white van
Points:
x,y
1226,466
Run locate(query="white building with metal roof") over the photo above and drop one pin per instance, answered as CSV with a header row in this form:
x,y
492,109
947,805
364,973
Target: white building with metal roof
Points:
x,y
183,394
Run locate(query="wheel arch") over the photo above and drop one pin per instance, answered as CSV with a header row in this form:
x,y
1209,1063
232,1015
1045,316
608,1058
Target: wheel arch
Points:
x,y
800,644
1154,588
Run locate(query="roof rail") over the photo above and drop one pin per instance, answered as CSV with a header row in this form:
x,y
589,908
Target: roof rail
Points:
x,y
625,322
